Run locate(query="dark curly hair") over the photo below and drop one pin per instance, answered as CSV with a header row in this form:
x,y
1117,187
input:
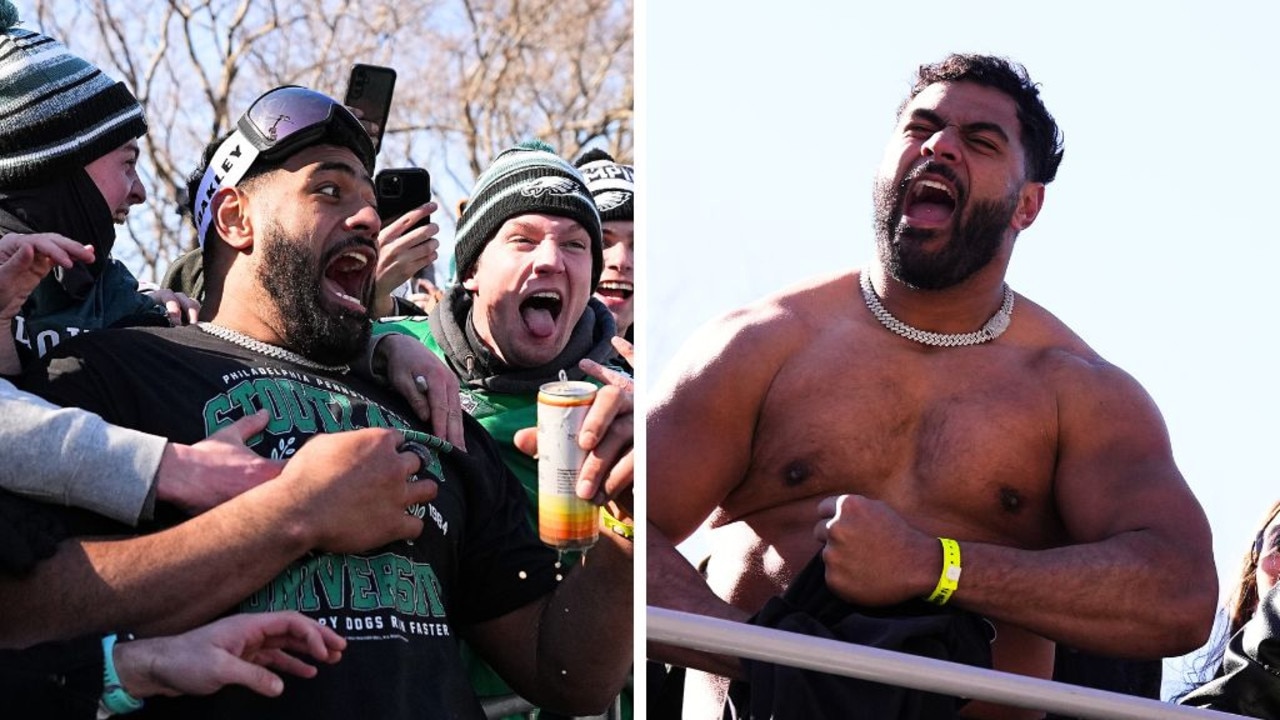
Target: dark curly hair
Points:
x,y
1041,138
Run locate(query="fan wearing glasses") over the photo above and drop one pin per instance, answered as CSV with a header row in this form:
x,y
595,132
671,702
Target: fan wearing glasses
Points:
x,y
284,208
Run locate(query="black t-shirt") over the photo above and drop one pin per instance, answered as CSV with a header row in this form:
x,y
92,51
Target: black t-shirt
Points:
x,y
399,606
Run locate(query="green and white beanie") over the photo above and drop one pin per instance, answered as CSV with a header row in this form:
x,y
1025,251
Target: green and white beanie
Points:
x,y
611,183
57,111
526,179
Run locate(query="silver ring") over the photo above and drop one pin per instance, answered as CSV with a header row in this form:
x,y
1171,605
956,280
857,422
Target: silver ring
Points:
x,y
420,382
424,459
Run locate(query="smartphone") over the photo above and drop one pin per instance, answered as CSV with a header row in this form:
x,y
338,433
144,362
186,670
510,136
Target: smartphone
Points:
x,y
369,90
400,190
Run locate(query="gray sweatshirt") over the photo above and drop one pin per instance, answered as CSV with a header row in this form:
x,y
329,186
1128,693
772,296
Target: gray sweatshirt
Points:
x,y
67,456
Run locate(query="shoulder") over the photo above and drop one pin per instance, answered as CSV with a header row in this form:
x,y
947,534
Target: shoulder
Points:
x,y
768,330
1063,358
1097,401
724,371
124,340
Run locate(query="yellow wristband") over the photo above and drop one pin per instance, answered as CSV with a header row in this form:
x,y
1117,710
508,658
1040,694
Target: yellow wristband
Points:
x,y
617,526
950,578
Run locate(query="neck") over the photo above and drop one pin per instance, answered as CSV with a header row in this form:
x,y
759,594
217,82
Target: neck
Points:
x,y
957,309
242,318
237,302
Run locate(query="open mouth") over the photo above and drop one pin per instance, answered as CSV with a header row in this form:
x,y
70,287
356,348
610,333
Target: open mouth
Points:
x,y
346,278
540,312
929,202
615,289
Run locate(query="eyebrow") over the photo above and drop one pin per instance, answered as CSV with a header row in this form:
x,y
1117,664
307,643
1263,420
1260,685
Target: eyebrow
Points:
x,y
532,229
345,169
980,126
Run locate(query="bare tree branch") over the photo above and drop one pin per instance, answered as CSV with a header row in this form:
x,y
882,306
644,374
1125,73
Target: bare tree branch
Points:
x,y
475,77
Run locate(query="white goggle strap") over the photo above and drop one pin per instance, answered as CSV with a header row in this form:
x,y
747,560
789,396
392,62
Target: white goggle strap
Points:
x,y
229,164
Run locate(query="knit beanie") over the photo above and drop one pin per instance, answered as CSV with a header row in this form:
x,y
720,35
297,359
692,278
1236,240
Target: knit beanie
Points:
x,y
57,112
611,184
526,179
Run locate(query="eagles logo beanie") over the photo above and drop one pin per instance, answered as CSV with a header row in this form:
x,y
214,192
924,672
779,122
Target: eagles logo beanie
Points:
x,y
611,184
57,111
526,179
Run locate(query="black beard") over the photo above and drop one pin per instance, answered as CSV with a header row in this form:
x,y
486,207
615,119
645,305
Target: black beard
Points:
x,y
291,277
974,241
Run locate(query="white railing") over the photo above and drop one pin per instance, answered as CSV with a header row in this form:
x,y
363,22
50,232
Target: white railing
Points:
x,y
831,656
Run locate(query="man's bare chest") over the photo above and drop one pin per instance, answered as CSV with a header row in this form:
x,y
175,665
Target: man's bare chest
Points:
x,y
952,443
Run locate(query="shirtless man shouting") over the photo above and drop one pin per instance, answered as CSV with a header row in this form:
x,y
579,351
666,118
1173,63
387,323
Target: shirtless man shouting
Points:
x,y
869,414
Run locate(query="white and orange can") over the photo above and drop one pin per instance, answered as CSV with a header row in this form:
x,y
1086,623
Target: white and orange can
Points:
x,y
565,521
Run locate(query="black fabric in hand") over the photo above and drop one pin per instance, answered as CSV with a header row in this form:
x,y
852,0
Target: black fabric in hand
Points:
x,y
782,692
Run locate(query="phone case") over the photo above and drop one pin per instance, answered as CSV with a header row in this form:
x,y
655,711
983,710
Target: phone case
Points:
x,y
399,190
369,90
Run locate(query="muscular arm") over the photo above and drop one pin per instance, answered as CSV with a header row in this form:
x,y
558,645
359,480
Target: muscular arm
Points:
x,y
674,583
548,650
154,584
699,439
1141,580
344,492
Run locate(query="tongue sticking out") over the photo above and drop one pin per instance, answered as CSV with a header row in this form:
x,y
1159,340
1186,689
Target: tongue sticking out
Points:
x,y
540,312
539,320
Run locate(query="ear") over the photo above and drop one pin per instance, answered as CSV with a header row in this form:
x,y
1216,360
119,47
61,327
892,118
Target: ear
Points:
x,y
469,282
231,216
1030,200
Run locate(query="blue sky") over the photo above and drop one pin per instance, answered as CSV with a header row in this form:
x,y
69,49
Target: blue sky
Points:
x,y
762,124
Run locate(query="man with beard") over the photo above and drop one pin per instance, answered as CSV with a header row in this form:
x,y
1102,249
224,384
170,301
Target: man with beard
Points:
x,y
862,438
285,209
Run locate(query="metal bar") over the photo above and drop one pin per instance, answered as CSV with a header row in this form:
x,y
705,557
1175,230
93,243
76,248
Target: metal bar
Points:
x,y
732,638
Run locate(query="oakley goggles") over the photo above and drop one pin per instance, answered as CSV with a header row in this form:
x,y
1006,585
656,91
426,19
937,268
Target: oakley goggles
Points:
x,y
278,124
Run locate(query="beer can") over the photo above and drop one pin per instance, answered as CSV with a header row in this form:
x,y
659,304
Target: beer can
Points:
x,y
565,521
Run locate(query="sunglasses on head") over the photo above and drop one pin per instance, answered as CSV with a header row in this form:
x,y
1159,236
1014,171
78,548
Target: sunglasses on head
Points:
x,y
278,124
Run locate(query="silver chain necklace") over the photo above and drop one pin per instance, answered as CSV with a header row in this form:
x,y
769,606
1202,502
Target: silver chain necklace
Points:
x,y
993,328
271,351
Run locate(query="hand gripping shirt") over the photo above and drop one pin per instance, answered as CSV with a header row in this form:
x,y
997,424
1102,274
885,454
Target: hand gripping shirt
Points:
x,y
399,606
